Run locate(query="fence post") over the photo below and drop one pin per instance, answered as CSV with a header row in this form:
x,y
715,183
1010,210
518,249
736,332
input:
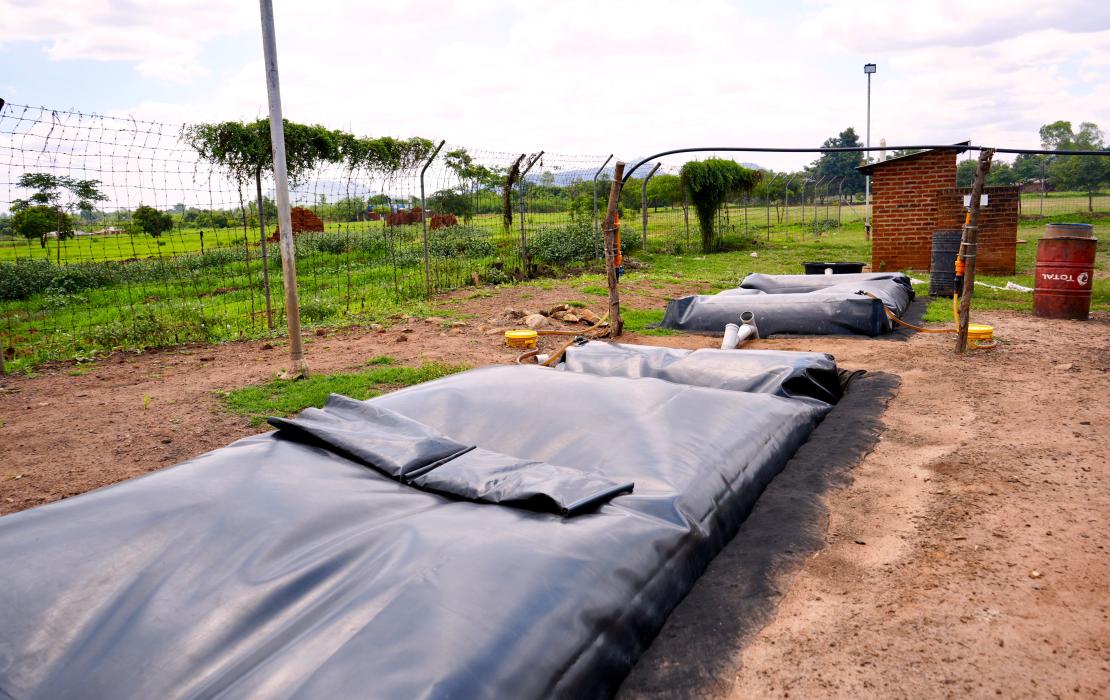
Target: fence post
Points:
x,y
424,219
596,175
262,243
643,205
281,192
839,202
786,203
969,248
686,214
612,250
523,190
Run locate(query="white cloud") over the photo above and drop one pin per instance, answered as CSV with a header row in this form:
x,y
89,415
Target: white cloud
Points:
x,y
631,77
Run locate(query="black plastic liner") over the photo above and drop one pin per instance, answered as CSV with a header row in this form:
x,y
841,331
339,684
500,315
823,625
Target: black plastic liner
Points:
x,y
798,304
297,564
800,375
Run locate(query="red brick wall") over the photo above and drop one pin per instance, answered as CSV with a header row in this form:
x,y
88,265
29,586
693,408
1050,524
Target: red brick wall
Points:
x,y
905,209
914,197
997,225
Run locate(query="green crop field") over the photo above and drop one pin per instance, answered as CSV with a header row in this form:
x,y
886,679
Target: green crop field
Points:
x,y
130,292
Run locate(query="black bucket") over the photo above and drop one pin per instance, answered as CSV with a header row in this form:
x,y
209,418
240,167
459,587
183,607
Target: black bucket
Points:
x,y
942,266
838,268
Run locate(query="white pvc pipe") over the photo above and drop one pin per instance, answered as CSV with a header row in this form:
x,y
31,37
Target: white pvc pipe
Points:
x,y
737,335
732,336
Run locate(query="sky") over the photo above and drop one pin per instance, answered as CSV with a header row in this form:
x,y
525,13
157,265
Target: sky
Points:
x,y
630,77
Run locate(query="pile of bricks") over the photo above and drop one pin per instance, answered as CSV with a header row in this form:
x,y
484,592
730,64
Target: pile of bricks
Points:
x,y
303,220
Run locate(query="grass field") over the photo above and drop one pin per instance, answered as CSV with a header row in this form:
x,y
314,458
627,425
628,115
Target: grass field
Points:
x,y
363,272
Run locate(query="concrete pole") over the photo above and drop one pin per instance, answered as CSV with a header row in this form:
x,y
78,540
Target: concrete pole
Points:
x,y
281,193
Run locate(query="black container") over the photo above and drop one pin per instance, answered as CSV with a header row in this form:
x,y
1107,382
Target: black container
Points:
x,y
838,268
942,264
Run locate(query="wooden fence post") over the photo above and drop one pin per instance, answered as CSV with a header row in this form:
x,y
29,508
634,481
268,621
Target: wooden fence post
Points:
x,y
616,324
969,247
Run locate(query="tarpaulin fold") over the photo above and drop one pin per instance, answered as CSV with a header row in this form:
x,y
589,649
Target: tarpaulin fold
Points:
x,y
810,375
798,304
415,454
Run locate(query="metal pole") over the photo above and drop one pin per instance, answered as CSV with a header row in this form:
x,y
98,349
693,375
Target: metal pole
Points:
x,y
281,192
1044,186
265,258
804,183
643,204
867,195
523,188
424,219
839,201
768,188
786,203
596,175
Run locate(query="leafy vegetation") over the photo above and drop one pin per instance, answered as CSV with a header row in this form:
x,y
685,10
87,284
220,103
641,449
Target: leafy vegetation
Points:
x,y
709,184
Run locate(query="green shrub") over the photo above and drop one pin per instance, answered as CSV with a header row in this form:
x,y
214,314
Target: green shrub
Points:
x,y
24,278
577,242
460,241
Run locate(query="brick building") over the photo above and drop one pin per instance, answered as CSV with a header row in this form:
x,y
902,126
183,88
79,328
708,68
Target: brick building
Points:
x,y
913,196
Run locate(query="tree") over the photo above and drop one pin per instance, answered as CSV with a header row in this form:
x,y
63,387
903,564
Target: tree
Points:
x,y
664,190
152,221
835,166
38,220
1080,173
965,173
710,183
452,201
61,195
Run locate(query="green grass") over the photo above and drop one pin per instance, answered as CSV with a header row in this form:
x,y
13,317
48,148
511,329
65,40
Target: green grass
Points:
x,y
639,320
284,397
218,297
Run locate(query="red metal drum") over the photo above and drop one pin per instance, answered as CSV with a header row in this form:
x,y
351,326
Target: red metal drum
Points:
x,y
1064,274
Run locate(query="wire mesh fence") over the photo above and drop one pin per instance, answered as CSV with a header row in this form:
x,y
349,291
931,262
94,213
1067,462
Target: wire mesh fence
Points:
x,y
116,234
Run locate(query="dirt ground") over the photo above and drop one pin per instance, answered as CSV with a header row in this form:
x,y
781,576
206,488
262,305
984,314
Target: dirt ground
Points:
x,y
969,556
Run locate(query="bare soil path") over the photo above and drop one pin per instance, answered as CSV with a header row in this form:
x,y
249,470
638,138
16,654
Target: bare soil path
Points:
x,y
969,556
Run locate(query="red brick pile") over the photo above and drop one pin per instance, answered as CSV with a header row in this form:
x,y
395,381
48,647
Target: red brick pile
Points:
x,y
438,221
303,220
405,217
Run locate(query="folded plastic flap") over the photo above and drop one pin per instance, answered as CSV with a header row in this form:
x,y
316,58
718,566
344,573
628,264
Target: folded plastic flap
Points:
x,y
418,455
780,372
377,437
491,477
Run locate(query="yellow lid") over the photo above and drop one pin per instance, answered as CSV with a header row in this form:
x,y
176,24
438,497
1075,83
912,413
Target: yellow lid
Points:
x,y
520,335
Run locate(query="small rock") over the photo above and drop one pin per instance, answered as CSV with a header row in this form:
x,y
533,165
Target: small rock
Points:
x,y
755,255
557,308
587,316
570,318
535,320
458,324
434,319
167,440
1035,574
1064,367
377,327
267,346
207,359
402,338
407,330
559,315
514,313
320,332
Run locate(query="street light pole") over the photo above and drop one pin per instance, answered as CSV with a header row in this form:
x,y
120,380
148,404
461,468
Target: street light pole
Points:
x,y
869,69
